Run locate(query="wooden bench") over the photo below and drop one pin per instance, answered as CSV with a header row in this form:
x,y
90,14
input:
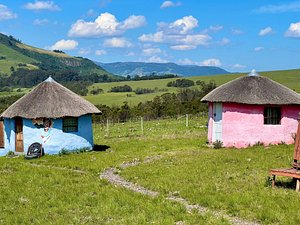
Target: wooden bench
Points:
x,y
293,172
290,172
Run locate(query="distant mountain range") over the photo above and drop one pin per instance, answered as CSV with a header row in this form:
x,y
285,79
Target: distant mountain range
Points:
x,y
142,69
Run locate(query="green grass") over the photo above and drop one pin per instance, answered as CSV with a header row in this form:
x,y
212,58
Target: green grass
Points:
x,y
230,180
289,78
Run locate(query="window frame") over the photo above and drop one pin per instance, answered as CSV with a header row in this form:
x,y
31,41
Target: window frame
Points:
x,y
274,117
70,126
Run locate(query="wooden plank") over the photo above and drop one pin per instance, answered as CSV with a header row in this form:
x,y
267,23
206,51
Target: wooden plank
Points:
x,y
273,181
297,143
2,143
286,173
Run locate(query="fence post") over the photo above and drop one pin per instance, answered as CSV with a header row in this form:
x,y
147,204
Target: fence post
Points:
x,y
107,127
187,120
142,125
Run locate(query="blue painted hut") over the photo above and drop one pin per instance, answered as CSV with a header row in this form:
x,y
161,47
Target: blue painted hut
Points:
x,y
49,114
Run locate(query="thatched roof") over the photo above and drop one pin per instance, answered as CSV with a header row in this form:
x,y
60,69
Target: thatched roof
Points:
x,y
49,100
253,89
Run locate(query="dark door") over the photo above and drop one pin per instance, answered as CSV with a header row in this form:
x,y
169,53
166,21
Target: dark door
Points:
x,y
19,134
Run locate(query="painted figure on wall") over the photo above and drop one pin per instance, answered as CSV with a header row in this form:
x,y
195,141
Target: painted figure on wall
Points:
x,y
46,132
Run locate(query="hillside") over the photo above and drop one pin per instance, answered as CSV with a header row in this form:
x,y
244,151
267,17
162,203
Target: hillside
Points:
x,y
15,55
289,78
142,68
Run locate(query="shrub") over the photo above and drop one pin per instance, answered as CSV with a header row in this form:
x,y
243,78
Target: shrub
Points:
x,y
96,91
217,144
181,83
124,88
140,91
268,181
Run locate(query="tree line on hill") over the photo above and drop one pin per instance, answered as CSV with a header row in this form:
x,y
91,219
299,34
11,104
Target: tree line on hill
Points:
x,y
186,101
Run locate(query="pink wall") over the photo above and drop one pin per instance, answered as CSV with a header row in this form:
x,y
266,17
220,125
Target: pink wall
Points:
x,y
243,125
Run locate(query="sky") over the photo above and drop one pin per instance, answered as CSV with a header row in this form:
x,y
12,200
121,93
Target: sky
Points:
x,y
235,35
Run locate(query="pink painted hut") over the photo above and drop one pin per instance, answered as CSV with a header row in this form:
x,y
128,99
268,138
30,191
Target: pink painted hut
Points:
x,y
252,109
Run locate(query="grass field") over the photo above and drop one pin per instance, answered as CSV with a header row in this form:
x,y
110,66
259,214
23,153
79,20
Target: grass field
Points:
x,y
289,78
49,191
13,58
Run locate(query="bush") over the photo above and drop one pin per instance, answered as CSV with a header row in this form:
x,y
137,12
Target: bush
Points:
x,y
217,144
124,88
96,91
181,83
140,91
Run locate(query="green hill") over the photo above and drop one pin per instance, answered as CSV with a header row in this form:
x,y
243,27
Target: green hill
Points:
x,y
15,55
289,78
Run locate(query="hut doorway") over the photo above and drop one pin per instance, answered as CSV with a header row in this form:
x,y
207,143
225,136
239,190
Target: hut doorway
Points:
x,y
19,134
217,122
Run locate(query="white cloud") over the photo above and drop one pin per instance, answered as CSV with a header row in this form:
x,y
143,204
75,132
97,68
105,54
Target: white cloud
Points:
x,y
116,43
130,54
238,66
183,47
236,31
215,28
151,51
280,8
156,59
6,13
258,49
64,45
40,22
133,22
187,61
207,62
42,5
265,31
105,25
84,51
100,52
179,34
224,41
294,30
184,25
168,4
158,37
211,62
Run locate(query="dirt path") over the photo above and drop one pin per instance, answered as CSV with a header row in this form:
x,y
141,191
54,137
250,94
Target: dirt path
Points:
x,y
112,175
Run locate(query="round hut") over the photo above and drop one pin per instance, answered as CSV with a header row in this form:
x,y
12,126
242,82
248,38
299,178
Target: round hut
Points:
x,y
49,114
252,110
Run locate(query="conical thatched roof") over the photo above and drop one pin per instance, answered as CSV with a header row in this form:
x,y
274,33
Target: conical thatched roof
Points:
x,y
253,89
49,100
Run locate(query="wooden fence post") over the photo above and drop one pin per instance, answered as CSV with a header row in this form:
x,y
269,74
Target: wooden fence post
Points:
x,y
142,125
187,120
107,127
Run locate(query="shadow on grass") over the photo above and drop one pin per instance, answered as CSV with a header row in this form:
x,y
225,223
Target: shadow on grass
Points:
x,y
289,184
100,148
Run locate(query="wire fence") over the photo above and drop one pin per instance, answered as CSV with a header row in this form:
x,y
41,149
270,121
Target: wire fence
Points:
x,y
140,127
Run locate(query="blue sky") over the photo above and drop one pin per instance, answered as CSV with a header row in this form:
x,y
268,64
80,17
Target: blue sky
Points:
x,y
235,35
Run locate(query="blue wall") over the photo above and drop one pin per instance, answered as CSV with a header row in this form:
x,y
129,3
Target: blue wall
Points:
x,y
58,140
9,137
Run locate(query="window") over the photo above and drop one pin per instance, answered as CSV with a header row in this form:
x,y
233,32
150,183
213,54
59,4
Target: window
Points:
x,y
272,115
70,124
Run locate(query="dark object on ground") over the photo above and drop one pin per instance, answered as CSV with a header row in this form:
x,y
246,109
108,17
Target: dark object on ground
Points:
x,y
100,148
35,150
